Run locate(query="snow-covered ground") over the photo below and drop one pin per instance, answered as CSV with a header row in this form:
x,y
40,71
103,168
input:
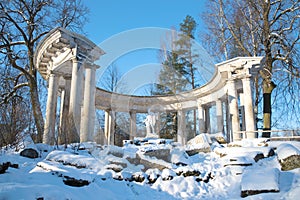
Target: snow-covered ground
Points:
x,y
106,172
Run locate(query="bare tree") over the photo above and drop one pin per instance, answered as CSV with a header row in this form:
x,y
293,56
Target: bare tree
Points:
x,y
111,78
262,28
23,23
14,118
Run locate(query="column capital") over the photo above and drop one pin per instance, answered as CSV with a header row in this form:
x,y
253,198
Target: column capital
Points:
x,y
51,73
91,66
231,80
132,112
246,78
199,103
67,77
75,59
178,106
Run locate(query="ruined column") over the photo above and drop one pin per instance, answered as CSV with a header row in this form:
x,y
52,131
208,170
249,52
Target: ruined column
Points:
x,y
207,119
181,132
75,99
88,111
112,118
201,118
132,125
61,134
109,128
157,124
219,114
64,135
106,126
242,113
248,108
228,122
49,129
233,110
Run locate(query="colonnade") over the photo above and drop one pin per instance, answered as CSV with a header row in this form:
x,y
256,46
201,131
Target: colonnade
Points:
x,y
77,105
66,61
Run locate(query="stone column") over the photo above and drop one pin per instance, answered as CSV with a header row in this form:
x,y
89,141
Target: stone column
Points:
x,y
106,126
61,135
109,128
75,99
233,110
49,129
219,114
88,111
157,124
201,118
181,127
64,136
207,119
242,112
132,125
112,118
228,122
248,107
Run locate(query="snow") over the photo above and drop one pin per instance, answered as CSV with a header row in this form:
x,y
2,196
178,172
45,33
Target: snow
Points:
x,y
217,177
286,150
179,156
270,179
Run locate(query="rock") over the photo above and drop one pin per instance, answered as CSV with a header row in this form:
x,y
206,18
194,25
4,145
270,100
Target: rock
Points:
x,y
135,161
118,177
237,161
153,175
191,173
105,174
122,164
179,157
205,177
139,177
288,157
4,167
127,176
234,144
187,171
196,150
114,167
289,163
75,182
163,154
254,192
29,153
167,174
219,137
202,138
258,157
250,184
148,165
114,150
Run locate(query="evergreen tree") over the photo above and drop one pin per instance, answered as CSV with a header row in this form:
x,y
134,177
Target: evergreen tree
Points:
x,y
178,72
185,51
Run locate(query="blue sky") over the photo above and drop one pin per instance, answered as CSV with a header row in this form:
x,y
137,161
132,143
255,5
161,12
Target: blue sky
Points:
x,y
114,16
113,20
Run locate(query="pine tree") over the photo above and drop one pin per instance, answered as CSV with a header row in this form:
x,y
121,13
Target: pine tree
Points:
x,y
187,55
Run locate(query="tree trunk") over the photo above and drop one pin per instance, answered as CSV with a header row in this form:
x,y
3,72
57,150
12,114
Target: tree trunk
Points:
x,y
268,84
36,109
268,87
